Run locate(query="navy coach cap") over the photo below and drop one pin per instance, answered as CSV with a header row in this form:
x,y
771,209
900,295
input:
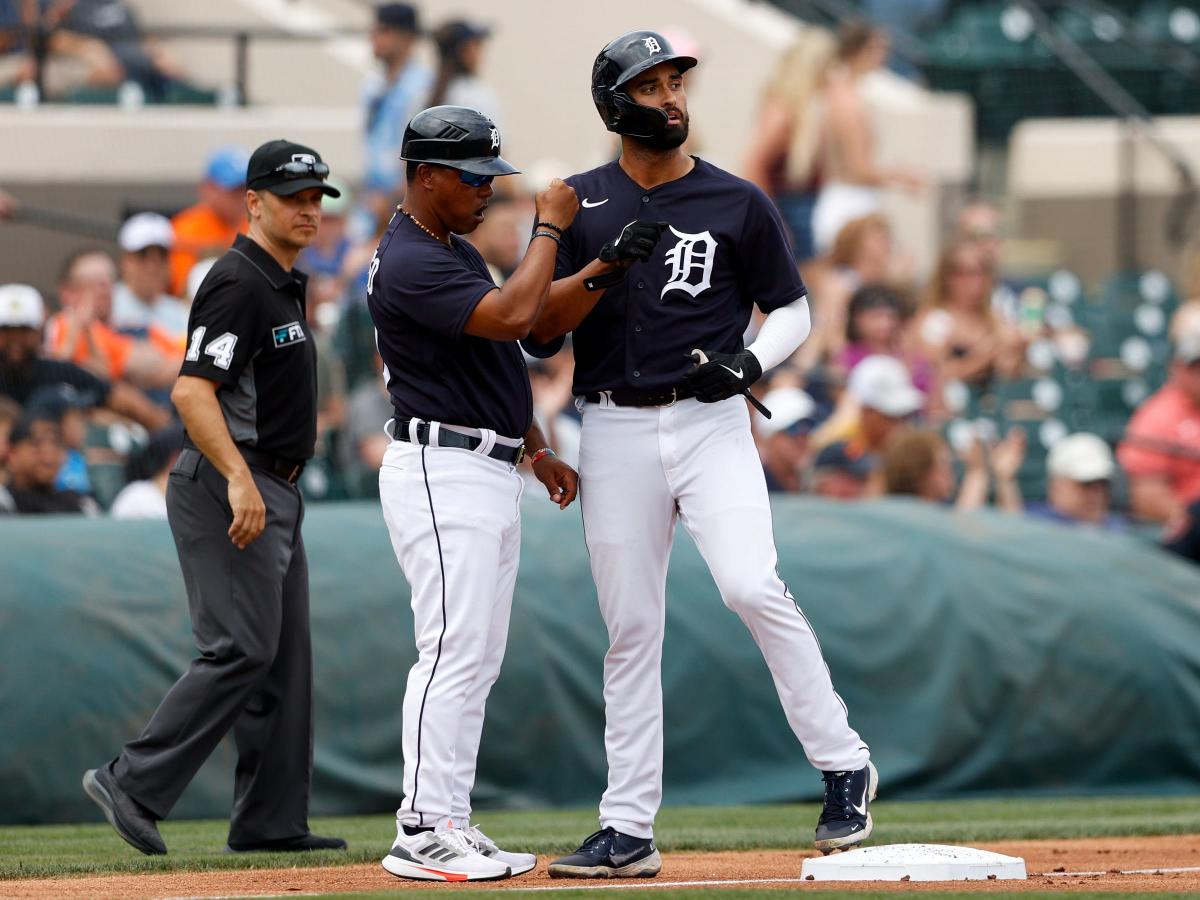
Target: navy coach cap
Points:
x,y
284,168
397,15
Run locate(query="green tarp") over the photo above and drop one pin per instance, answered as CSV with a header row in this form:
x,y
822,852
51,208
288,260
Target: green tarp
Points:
x,y
977,653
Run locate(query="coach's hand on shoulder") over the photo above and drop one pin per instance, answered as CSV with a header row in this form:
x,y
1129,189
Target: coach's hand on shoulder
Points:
x,y
249,511
635,243
557,204
561,481
719,376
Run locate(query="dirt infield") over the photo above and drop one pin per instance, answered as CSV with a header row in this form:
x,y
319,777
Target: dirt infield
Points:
x,y
1052,865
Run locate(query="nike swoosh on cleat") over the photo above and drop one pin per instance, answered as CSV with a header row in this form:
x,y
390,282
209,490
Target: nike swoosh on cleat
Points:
x,y
588,204
736,373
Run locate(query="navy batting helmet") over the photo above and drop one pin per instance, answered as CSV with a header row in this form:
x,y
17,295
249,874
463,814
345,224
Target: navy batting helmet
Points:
x,y
455,136
618,63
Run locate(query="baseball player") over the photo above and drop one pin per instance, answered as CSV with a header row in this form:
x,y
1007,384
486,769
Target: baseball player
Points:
x,y
656,278
449,487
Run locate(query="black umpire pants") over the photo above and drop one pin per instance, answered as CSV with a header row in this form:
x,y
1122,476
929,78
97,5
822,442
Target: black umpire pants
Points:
x,y
249,612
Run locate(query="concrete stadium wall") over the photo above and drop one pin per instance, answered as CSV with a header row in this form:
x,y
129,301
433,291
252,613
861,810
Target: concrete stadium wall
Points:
x,y
1064,178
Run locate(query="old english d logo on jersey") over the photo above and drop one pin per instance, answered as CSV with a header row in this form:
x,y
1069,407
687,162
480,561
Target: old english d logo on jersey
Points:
x,y
291,333
691,262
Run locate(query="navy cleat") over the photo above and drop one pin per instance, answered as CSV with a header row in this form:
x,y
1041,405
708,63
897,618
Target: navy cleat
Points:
x,y
846,818
610,854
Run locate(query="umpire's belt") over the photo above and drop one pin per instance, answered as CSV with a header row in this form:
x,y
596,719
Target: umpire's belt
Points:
x,y
435,434
287,469
636,397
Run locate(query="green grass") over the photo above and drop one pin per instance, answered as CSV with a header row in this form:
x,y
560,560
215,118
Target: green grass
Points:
x,y
56,850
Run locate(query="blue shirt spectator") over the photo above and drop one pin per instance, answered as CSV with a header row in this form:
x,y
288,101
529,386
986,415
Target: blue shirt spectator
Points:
x,y
393,96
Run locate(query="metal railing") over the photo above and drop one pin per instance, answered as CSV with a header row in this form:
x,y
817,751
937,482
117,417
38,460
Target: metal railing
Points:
x,y
240,38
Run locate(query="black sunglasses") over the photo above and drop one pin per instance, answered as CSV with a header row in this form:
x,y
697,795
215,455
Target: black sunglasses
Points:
x,y
297,169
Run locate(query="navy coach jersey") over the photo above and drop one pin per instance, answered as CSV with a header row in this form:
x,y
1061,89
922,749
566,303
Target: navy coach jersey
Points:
x,y
420,293
725,250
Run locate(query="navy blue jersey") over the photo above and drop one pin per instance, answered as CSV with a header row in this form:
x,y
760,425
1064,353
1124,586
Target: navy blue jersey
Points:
x,y
421,293
725,250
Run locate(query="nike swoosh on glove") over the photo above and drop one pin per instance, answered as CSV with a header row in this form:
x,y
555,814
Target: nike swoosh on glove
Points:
x,y
724,375
636,242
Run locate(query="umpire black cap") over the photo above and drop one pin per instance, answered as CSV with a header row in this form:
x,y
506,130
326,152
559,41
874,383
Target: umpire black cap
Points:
x,y
458,137
284,168
618,63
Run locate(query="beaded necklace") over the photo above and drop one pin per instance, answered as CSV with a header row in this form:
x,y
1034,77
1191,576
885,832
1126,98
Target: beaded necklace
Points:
x,y
421,225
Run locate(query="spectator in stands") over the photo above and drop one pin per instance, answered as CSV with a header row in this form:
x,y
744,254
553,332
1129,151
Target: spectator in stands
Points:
x,y
145,496
64,405
391,97
785,445
863,254
839,475
783,155
460,45
1079,473
904,19
219,215
964,337
140,300
879,398
87,42
502,237
114,24
918,463
851,175
71,59
35,458
8,206
1161,448
981,224
82,332
368,409
324,260
875,325
10,414
23,371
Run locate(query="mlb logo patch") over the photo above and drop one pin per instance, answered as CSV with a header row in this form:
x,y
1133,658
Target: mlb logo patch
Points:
x,y
291,333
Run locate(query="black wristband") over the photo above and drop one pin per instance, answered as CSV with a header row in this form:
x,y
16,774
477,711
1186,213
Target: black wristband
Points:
x,y
537,225
605,279
547,234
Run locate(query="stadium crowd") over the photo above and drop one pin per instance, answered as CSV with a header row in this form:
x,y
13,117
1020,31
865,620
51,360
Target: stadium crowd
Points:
x,y
971,386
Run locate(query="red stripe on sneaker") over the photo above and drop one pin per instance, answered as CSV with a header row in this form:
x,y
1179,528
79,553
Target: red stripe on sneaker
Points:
x,y
449,876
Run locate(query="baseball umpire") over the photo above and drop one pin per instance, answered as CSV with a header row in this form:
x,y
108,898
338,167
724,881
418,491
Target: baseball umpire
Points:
x,y
656,279
247,396
448,484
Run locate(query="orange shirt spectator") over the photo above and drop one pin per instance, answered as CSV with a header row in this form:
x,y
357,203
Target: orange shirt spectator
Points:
x,y
1161,450
112,346
209,227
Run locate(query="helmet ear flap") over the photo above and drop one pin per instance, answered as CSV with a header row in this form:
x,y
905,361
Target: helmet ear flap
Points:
x,y
634,119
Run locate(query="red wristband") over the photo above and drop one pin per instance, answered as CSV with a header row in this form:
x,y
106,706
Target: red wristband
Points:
x,y
545,451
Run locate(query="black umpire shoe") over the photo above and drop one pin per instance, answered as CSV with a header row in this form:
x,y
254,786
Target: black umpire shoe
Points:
x,y
297,844
610,854
131,820
846,818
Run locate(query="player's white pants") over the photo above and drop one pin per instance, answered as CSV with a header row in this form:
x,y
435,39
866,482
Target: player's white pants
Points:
x,y
454,517
639,468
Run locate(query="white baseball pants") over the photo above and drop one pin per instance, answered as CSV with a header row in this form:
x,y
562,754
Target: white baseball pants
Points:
x,y
639,469
454,517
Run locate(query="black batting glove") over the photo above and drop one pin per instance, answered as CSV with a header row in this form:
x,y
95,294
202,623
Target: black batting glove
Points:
x,y
635,243
719,376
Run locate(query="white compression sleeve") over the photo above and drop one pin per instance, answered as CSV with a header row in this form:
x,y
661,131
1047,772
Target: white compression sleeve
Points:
x,y
782,331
